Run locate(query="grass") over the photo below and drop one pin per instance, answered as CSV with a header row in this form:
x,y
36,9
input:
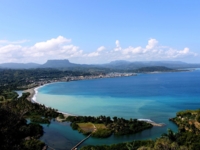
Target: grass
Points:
x,y
100,126
89,127
86,125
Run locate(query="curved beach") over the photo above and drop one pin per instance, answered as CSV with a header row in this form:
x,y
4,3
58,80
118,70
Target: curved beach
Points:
x,y
32,97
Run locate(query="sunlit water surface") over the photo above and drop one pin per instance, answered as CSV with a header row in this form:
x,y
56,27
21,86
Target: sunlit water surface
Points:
x,y
148,96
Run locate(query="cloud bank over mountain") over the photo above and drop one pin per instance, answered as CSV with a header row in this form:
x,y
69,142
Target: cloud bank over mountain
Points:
x,y
63,48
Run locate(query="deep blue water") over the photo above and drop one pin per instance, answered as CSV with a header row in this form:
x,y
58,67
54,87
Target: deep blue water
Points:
x,y
151,96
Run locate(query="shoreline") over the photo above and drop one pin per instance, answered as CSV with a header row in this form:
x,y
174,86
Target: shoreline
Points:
x,y
32,98
32,93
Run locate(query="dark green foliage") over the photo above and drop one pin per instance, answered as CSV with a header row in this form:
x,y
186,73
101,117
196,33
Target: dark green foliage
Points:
x,y
13,79
102,133
118,126
32,130
198,118
123,127
33,144
10,95
121,146
74,126
170,135
36,112
61,116
38,119
13,131
188,139
82,119
13,127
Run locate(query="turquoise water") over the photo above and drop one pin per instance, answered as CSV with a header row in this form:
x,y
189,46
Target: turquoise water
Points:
x,y
148,96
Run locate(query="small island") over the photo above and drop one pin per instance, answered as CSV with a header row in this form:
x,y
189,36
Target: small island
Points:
x,y
102,126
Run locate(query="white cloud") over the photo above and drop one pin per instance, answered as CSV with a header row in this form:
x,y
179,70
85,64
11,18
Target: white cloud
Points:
x,y
118,47
51,44
62,48
137,50
95,53
153,51
151,43
9,48
101,49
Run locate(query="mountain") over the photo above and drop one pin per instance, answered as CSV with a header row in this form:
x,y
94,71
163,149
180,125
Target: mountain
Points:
x,y
119,62
58,64
125,65
119,65
19,65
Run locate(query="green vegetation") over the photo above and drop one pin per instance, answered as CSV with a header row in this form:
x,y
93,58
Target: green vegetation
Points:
x,y
103,126
15,133
33,111
122,146
8,96
86,128
187,138
102,133
19,79
188,120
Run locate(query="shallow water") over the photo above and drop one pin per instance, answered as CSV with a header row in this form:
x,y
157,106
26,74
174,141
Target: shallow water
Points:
x,y
148,96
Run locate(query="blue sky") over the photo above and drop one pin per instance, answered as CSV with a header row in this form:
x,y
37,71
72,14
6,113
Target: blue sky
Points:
x,y
100,31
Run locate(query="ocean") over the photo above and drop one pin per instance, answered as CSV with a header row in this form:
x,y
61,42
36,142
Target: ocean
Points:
x,y
154,96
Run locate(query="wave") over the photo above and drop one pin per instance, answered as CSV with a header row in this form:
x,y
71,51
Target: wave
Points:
x,y
146,120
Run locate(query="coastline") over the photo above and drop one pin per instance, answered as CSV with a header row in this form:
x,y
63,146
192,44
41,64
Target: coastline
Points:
x,y
32,93
32,98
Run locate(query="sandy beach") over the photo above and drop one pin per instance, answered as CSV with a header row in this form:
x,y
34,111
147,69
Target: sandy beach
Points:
x,y
30,98
32,93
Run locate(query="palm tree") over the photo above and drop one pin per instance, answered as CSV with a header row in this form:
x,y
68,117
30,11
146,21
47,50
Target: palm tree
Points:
x,y
131,146
170,135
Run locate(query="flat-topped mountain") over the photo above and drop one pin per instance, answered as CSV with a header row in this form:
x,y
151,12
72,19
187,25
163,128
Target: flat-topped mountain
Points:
x,y
58,64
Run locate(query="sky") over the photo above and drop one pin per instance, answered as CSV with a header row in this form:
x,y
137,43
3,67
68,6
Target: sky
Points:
x,y
99,31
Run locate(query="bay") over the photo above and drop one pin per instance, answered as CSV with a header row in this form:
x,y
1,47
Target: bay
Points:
x,y
147,96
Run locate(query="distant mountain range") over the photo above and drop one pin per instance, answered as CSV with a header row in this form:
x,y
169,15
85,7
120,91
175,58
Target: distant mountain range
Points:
x,y
19,65
114,65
